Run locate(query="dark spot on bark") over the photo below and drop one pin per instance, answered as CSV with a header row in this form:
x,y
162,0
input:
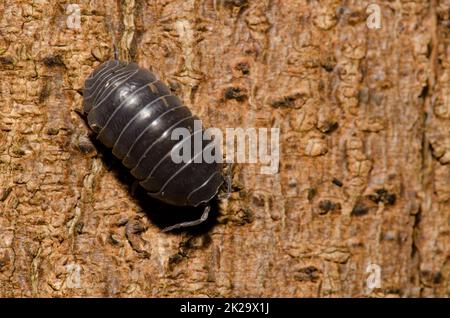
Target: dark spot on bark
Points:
x,y
194,243
184,248
341,10
249,216
284,102
328,64
429,276
359,209
235,3
5,193
236,93
53,61
326,206
328,127
311,194
258,200
424,92
113,239
243,67
437,278
328,67
337,182
79,227
382,195
270,201
355,17
6,60
175,259
391,198
429,50
133,231
136,227
307,274
18,152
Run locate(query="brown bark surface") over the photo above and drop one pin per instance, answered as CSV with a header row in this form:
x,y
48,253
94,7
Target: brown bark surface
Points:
x,y
364,174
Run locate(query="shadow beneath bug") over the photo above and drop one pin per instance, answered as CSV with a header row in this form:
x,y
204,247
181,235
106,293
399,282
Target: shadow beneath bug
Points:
x,y
159,213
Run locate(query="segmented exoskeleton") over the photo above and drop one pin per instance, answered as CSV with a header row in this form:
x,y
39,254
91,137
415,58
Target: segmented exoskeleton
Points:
x,y
134,113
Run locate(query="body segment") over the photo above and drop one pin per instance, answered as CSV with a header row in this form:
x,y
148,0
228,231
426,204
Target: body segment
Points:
x,y
134,113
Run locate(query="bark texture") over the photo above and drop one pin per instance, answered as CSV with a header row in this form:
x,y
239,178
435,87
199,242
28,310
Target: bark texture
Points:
x,y
365,149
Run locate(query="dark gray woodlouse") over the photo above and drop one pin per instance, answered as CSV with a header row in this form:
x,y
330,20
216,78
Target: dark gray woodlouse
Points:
x,y
134,113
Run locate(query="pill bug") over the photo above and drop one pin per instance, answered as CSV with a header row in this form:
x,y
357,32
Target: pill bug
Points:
x,y
134,113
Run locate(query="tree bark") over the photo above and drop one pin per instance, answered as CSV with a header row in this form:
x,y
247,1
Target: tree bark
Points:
x,y
363,183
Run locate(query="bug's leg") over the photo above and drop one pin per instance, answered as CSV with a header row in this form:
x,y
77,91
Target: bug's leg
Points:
x,y
229,180
190,223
